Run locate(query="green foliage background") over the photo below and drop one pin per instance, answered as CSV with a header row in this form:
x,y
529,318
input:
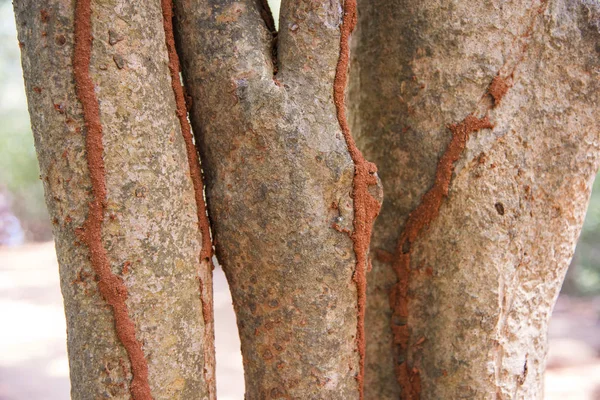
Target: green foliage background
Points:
x,y
19,173
583,277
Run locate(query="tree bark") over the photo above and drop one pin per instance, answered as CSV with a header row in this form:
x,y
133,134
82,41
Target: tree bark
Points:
x,y
480,115
123,197
482,119
281,188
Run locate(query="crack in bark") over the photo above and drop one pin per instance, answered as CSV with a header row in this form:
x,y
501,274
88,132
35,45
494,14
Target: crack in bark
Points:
x,y
267,16
505,307
498,354
428,209
366,207
111,287
206,250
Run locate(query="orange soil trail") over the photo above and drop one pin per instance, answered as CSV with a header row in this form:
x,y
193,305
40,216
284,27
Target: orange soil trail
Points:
x,y
111,287
198,184
366,207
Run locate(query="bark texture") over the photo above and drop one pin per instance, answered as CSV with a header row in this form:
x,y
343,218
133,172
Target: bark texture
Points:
x,y
117,182
478,225
279,179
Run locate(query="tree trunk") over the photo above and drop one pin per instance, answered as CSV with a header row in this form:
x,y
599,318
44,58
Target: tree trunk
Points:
x,y
124,196
480,115
288,193
482,119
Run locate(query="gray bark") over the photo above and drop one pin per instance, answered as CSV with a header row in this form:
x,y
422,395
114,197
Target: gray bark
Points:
x,y
484,271
150,227
279,180
480,115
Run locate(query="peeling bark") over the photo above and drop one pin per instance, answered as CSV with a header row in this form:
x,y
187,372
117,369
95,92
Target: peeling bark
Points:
x,y
472,289
117,181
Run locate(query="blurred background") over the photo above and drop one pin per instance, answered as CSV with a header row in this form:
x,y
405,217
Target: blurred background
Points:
x,y
33,359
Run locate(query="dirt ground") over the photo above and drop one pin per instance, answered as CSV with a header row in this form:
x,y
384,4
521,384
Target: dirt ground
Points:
x,y
33,359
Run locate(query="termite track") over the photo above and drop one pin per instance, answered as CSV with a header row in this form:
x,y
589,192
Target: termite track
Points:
x,y
206,252
366,207
186,131
421,217
111,287
427,211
